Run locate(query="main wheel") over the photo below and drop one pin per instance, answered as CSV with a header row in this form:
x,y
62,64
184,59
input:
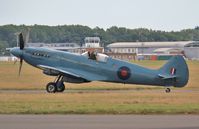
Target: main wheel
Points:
x,y
168,90
60,86
51,87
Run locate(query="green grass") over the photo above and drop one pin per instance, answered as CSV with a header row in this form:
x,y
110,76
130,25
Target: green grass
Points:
x,y
100,103
59,108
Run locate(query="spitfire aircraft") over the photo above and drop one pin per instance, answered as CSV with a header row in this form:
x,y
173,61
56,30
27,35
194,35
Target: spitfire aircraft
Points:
x,y
84,68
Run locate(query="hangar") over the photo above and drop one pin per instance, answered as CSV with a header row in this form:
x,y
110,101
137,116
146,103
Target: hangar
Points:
x,y
151,50
191,50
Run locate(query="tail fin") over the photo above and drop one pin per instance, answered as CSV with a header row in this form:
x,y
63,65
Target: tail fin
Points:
x,y
175,72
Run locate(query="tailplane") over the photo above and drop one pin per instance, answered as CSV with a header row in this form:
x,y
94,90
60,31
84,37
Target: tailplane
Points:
x,y
175,72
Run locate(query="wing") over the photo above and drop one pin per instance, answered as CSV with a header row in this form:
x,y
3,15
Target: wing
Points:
x,y
75,72
43,67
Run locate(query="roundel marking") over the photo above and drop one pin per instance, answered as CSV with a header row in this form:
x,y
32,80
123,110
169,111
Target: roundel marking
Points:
x,y
124,73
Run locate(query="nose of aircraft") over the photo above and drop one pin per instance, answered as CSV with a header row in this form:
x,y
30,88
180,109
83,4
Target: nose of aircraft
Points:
x,y
16,52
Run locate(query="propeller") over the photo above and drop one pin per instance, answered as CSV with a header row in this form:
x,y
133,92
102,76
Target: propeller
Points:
x,y
20,66
21,46
21,40
15,61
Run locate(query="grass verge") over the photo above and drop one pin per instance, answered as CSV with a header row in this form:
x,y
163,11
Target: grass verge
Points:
x,y
100,103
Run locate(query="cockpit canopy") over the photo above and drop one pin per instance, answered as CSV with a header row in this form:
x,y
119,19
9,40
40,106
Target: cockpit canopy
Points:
x,y
96,56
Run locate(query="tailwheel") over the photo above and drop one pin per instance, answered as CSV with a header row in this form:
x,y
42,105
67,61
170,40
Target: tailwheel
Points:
x,y
168,90
51,87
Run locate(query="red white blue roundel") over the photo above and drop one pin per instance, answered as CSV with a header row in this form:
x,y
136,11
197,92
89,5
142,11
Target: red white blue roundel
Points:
x,y
124,73
172,71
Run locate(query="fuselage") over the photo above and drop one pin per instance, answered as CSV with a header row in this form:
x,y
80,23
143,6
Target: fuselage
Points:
x,y
111,70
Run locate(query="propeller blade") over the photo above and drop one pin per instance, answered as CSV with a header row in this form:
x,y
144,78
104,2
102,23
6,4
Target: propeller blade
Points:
x,y
21,41
15,62
20,66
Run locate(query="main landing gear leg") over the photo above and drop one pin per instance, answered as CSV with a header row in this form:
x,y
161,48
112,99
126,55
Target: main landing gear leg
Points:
x,y
167,90
56,86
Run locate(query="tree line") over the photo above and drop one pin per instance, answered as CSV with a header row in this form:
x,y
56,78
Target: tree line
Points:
x,y
77,33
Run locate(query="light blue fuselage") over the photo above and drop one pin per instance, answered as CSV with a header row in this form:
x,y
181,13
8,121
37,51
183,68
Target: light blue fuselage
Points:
x,y
96,70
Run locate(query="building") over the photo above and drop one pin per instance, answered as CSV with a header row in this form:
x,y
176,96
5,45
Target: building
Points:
x,y
8,58
191,50
70,47
146,50
92,44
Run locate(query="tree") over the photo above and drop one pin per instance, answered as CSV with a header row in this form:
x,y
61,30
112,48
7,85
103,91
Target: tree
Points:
x,y
77,33
3,46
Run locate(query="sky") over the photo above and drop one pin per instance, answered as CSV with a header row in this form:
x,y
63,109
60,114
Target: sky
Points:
x,y
166,15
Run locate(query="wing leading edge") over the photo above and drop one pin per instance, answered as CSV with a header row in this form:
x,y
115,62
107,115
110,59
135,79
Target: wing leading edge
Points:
x,y
74,72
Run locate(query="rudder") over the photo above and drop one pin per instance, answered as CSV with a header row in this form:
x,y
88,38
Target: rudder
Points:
x,y
176,71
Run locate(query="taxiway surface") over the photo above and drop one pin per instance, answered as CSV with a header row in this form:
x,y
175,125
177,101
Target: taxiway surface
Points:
x,y
99,122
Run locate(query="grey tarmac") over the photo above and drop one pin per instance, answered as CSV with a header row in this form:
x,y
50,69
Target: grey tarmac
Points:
x,y
99,121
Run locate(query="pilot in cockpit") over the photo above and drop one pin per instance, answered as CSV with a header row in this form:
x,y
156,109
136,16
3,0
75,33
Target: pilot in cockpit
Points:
x,y
92,55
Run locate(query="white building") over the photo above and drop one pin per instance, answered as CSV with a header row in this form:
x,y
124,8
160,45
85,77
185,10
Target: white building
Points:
x,y
144,47
8,58
192,51
71,47
188,48
92,42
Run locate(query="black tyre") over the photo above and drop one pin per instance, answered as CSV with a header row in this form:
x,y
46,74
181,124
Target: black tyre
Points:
x,y
60,86
51,87
168,90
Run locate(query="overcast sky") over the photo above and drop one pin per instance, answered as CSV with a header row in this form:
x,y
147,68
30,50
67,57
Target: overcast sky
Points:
x,y
152,14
